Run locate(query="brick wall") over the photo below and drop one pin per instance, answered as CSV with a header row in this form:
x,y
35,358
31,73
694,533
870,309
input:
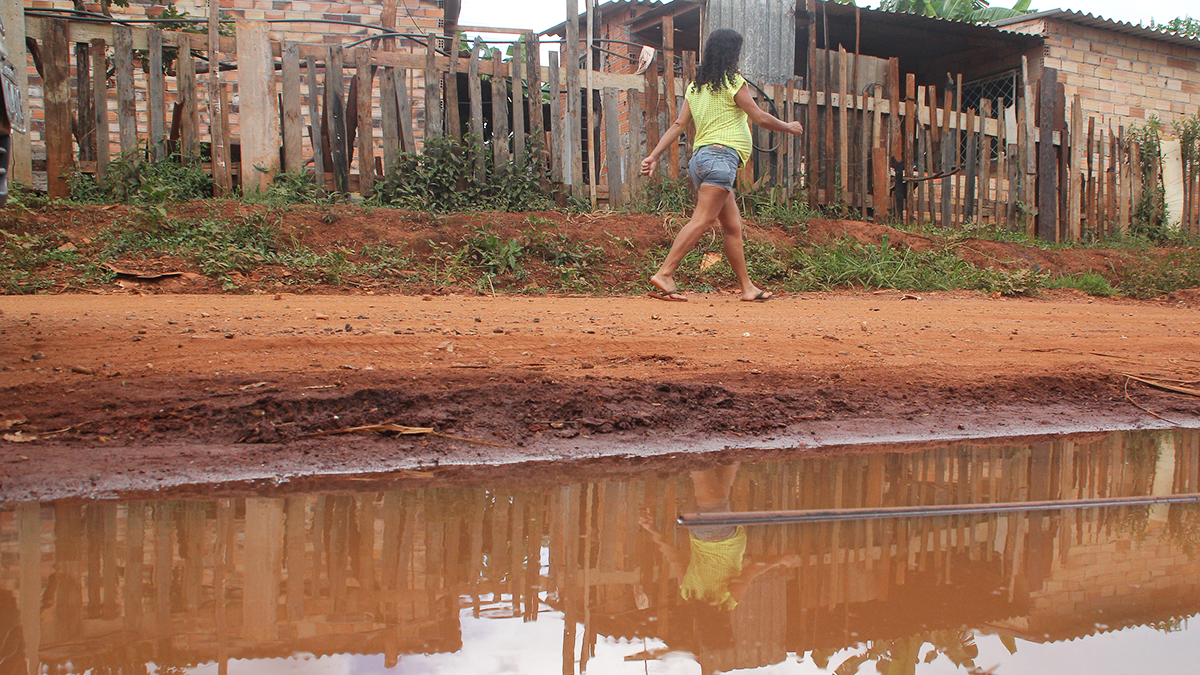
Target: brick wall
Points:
x,y
1122,79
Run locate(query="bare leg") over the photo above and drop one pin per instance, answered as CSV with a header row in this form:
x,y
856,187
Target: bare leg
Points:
x,y
735,253
709,203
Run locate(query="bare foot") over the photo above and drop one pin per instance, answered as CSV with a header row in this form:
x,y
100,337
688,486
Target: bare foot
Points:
x,y
664,284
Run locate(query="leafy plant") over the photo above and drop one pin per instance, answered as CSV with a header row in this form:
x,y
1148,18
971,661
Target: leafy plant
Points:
x,y
132,179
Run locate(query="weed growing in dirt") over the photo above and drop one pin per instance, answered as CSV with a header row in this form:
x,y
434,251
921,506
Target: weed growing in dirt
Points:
x,y
1155,275
574,262
132,179
986,231
662,195
442,179
292,188
1088,282
22,256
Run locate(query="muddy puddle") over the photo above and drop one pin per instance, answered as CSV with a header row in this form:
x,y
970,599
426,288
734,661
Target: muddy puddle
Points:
x,y
577,572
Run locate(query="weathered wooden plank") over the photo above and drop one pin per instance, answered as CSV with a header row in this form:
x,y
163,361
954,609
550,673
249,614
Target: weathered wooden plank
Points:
x,y
314,127
843,149
909,149
668,38
453,115
98,53
126,112
790,142
653,104
366,121
1047,176
1126,189
156,109
968,207
1091,175
225,96
258,114
533,74
389,114
518,116
293,118
558,154
637,143
612,148
500,155
221,169
571,136
1002,166
335,110
189,128
958,180
1136,187
1075,188
880,198
433,91
60,158
949,159
475,92
85,108
407,136
21,153
985,161
809,145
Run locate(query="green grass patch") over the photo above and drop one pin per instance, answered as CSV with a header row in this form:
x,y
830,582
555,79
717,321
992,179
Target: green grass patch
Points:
x,y
1088,282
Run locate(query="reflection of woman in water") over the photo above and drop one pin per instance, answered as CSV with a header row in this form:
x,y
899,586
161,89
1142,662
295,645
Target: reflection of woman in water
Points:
x,y
715,573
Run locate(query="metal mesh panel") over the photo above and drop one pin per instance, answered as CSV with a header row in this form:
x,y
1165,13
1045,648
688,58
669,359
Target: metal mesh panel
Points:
x,y
1000,89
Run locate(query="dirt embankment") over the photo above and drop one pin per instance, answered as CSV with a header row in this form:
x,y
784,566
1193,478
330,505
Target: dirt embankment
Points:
x,y
134,392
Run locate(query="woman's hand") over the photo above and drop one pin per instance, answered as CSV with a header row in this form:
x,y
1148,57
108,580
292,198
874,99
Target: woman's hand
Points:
x,y
794,128
649,165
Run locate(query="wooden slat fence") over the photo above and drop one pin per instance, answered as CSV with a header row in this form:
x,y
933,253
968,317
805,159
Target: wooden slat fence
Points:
x,y
876,143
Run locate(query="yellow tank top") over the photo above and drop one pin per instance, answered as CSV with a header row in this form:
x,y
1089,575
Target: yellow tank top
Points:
x,y
718,118
712,566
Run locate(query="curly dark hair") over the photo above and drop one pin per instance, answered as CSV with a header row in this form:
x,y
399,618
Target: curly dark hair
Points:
x,y
721,55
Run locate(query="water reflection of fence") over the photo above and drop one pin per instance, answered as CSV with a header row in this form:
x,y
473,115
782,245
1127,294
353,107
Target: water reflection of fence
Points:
x,y
893,147
389,571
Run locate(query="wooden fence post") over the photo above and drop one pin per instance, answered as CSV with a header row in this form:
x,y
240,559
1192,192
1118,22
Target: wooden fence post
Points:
x,y
389,113
453,118
407,138
314,129
433,91
98,53
123,64
557,156
259,116
335,111
365,126
571,132
500,156
156,109
293,122
612,147
1047,165
1075,187
475,90
21,154
190,126
60,159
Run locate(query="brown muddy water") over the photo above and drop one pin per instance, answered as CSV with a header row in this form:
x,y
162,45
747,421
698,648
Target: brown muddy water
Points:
x,y
570,573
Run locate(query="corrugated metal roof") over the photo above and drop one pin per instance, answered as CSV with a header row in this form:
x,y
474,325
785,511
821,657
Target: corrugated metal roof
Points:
x,y
769,30
1104,24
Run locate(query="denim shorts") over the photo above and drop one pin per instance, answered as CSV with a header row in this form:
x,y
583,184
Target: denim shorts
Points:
x,y
714,165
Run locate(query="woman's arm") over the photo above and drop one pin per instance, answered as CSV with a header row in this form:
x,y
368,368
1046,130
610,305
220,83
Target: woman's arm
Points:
x,y
761,117
650,163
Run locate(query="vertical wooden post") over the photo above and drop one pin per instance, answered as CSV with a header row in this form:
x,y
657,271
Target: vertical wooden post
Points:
x,y
404,106
216,113
1047,175
985,159
475,92
366,122
156,110
533,75
264,559
789,141
573,167
60,159
259,116
812,148
668,38
189,135
499,111
21,154
1027,141
1126,189
637,143
453,117
335,111
433,91
557,122
293,120
123,64
85,107
98,52
518,114
1075,137
314,126
612,147
1001,162
968,206
911,131
843,125
653,104
389,113
949,160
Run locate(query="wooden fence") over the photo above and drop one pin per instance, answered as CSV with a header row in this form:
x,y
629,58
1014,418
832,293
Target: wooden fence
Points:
x,y
890,149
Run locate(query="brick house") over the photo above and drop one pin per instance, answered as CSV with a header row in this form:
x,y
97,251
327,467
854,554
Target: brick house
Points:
x,y
1123,73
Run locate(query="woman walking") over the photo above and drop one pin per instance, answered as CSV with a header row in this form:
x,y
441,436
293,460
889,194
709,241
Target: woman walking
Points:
x,y
720,104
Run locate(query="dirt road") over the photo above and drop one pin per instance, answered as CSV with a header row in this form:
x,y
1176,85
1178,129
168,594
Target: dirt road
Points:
x,y
126,392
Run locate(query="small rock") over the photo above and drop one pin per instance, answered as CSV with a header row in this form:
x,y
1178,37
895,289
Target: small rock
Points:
x,y
587,364
497,329
745,335
427,298
321,317
278,296
205,314
137,338
82,370
346,366
229,336
478,320
37,356
347,329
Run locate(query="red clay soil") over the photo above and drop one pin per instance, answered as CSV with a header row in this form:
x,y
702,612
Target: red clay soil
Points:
x,y
129,393
150,386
